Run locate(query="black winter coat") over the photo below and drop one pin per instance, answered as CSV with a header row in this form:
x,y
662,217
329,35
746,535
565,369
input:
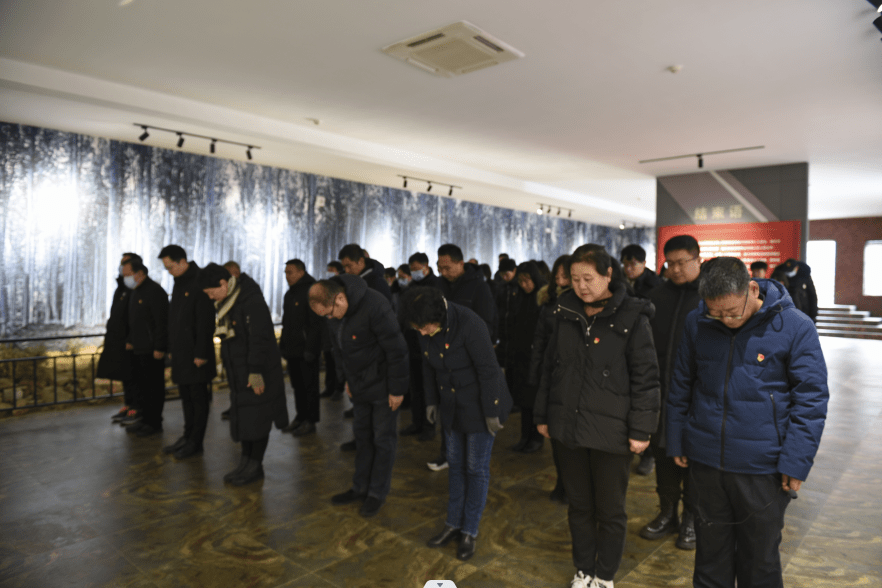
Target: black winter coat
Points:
x,y
373,274
520,348
191,330
461,374
115,362
672,304
369,347
253,350
801,288
148,318
301,328
410,335
644,284
507,297
544,328
471,291
599,384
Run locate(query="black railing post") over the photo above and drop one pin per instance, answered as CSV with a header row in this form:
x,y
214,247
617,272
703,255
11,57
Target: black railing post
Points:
x,y
55,379
73,361
14,391
35,382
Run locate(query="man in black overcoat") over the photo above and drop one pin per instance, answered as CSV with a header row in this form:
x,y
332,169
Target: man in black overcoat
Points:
x,y
372,353
301,346
356,263
641,279
147,339
190,348
115,362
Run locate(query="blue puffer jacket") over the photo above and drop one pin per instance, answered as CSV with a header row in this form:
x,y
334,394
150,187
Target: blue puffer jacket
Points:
x,y
752,402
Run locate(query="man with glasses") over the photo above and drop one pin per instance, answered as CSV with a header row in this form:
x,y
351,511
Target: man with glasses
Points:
x,y
746,410
371,352
674,299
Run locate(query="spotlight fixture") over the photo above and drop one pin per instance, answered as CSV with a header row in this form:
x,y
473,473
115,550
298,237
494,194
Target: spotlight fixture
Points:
x,y
622,226
180,140
248,152
405,181
570,215
429,189
540,210
144,135
558,211
212,146
877,4
450,192
700,161
878,23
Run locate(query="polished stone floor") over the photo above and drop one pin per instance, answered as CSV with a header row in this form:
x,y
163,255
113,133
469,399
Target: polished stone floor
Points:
x,y
84,504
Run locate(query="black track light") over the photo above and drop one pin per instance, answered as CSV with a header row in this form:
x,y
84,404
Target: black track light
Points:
x,y
144,135
450,192
429,189
405,181
180,140
248,152
570,215
700,161
878,23
213,144
877,4
558,212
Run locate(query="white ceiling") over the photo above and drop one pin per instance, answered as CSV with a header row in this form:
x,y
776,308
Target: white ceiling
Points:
x,y
566,125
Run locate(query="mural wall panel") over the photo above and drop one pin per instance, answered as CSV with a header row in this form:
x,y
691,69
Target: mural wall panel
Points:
x,y
71,204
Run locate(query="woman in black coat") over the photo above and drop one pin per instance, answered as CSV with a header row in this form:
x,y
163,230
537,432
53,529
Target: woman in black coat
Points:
x,y
253,365
530,281
598,400
547,301
463,379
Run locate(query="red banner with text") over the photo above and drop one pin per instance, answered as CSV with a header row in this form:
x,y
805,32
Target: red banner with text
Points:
x,y
773,243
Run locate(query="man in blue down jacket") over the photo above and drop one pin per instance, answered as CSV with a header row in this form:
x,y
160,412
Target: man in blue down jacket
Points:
x,y
746,410
370,349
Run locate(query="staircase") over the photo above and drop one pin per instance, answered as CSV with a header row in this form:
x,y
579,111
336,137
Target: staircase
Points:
x,y
841,320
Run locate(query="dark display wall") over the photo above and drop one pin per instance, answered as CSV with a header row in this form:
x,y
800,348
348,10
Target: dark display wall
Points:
x,y
71,204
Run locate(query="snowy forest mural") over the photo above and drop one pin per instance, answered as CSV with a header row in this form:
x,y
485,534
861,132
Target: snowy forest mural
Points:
x,y
71,204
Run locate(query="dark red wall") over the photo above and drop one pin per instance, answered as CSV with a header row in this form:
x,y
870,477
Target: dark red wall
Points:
x,y
851,235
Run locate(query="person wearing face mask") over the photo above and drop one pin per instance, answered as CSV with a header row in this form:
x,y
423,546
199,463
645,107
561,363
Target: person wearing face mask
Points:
x,y
147,339
115,362
466,392
253,365
547,301
598,400
517,367
801,287
421,272
371,351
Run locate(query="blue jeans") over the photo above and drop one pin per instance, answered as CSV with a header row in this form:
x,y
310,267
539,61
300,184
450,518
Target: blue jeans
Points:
x,y
468,455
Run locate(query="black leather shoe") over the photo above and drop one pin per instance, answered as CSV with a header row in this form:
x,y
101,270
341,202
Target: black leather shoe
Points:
x,y
252,472
305,428
370,507
665,523
228,477
444,537
646,465
148,431
558,494
175,446
188,450
427,434
533,446
292,426
686,539
467,546
327,393
411,429
134,427
225,415
348,446
347,497
349,413
519,446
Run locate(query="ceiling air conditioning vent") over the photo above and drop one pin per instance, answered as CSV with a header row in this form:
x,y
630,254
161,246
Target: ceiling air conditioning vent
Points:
x,y
453,50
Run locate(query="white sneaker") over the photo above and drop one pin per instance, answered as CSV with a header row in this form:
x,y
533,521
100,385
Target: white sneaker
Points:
x,y
598,583
580,580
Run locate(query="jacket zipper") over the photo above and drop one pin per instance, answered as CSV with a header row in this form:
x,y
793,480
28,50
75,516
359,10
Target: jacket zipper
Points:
x,y
775,416
726,404
581,320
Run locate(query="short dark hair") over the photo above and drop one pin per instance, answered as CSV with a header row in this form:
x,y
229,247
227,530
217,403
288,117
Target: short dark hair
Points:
x,y
134,256
503,256
404,268
488,273
682,242
424,306
507,265
325,291
599,257
137,266
562,261
232,263
722,276
418,257
351,251
211,275
759,265
336,265
633,252
389,272
450,250
296,263
174,252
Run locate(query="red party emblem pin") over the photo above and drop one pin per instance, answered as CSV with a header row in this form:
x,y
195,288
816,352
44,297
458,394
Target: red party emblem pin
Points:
x,y
353,337
447,346
596,340
760,357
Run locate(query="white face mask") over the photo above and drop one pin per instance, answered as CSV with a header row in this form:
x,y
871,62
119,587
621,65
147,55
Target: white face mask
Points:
x,y
793,273
418,274
402,282
129,281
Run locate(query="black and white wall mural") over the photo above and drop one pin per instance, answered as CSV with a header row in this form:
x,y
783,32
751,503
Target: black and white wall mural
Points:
x,y
71,204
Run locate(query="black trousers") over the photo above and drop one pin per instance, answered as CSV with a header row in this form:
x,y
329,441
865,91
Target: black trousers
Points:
x,y
671,481
596,483
739,518
304,378
149,375
331,382
131,394
195,400
376,440
417,394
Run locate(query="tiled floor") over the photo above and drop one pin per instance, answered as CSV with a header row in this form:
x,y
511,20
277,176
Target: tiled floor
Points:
x,y
84,504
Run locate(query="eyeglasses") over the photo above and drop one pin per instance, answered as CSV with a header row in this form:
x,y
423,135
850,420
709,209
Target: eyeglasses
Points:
x,y
731,318
679,263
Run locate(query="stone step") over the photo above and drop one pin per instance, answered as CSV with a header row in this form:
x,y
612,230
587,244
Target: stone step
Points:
x,y
850,334
850,327
852,313
853,320
839,307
